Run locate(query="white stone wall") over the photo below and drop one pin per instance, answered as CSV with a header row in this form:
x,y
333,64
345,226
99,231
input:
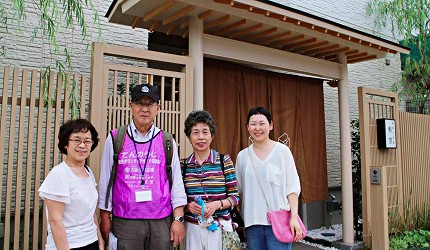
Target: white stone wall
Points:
x,y
374,74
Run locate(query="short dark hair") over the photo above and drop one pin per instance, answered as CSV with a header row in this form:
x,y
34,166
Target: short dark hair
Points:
x,y
259,111
199,116
76,126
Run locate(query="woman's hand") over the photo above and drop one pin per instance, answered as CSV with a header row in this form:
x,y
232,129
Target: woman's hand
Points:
x,y
211,207
194,208
296,230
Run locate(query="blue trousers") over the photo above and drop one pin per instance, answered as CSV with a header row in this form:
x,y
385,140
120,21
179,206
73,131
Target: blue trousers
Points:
x,y
260,237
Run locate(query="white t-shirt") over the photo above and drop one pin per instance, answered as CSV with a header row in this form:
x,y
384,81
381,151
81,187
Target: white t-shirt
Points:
x,y
278,177
79,196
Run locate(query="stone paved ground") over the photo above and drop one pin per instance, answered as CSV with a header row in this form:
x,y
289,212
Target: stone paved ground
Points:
x,y
302,246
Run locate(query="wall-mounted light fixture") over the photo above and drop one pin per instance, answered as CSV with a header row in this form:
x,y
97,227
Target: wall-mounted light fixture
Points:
x,y
387,61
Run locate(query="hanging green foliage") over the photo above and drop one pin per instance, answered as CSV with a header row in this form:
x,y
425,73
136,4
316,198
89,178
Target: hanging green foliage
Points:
x,y
410,22
55,16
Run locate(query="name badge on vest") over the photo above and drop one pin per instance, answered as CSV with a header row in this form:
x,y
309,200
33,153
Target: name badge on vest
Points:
x,y
143,195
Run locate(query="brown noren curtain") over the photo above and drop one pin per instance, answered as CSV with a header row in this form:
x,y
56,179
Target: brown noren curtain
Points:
x,y
297,106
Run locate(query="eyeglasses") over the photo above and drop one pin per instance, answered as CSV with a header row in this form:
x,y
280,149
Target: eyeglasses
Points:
x,y
87,142
146,104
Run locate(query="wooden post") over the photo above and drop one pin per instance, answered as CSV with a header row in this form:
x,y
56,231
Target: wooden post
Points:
x,y
379,208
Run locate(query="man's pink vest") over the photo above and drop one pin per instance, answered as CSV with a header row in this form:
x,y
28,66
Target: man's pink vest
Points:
x,y
129,176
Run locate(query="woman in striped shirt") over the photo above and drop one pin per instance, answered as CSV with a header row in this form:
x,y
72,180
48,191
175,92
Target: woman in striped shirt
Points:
x,y
210,176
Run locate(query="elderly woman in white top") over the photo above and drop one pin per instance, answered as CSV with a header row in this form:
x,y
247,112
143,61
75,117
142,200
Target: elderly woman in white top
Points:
x,y
69,191
274,170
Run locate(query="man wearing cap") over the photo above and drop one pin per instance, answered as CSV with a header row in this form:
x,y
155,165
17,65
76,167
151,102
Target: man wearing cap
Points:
x,y
141,200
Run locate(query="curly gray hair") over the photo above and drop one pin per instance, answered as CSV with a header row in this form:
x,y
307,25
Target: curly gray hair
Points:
x,y
199,116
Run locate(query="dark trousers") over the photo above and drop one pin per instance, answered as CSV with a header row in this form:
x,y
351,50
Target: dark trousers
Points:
x,y
142,234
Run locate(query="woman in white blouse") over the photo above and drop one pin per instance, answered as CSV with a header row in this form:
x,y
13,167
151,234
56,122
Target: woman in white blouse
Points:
x,y
69,191
274,171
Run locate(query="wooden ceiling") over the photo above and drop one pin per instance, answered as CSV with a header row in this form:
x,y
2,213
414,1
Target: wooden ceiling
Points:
x,y
254,22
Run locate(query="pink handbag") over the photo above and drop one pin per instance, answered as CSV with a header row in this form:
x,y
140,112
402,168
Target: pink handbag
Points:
x,y
280,221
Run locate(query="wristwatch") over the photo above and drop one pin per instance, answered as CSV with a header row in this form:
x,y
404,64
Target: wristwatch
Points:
x,y
179,218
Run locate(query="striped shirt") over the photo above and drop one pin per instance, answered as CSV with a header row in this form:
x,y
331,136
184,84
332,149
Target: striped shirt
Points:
x,y
209,182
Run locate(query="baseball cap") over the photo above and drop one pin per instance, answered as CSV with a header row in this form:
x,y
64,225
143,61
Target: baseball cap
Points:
x,y
145,90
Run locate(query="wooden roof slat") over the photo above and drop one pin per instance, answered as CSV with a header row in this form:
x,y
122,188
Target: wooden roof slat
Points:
x,y
260,34
312,46
360,59
136,21
331,57
185,34
245,30
260,9
326,48
287,40
356,56
180,13
216,22
238,5
170,29
230,27
298,44
276,37
153,26
159,10
225,2
205,14
348,53
331,52
185,24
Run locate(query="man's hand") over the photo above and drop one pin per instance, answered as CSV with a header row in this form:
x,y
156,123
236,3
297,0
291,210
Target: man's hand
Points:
x,y
177,232
105,224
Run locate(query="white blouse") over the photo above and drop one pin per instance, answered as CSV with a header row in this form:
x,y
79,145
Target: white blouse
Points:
x,y
79,196
278,177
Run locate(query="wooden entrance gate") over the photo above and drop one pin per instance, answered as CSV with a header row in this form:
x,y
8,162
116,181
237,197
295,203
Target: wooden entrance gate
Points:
x,y
111,84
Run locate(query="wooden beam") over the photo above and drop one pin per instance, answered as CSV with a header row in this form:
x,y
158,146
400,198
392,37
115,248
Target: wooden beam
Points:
x,y
356,56
262,56
216,22
331,52
260,34
360,59
170,29
185,24
348,53
298,44
159,10
246,30
185,34
276,37
282,42
153,25
312,46
313,51
175,16
136,21
205,14
229,27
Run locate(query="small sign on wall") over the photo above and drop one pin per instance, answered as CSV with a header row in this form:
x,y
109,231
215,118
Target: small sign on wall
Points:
x,y
386,129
